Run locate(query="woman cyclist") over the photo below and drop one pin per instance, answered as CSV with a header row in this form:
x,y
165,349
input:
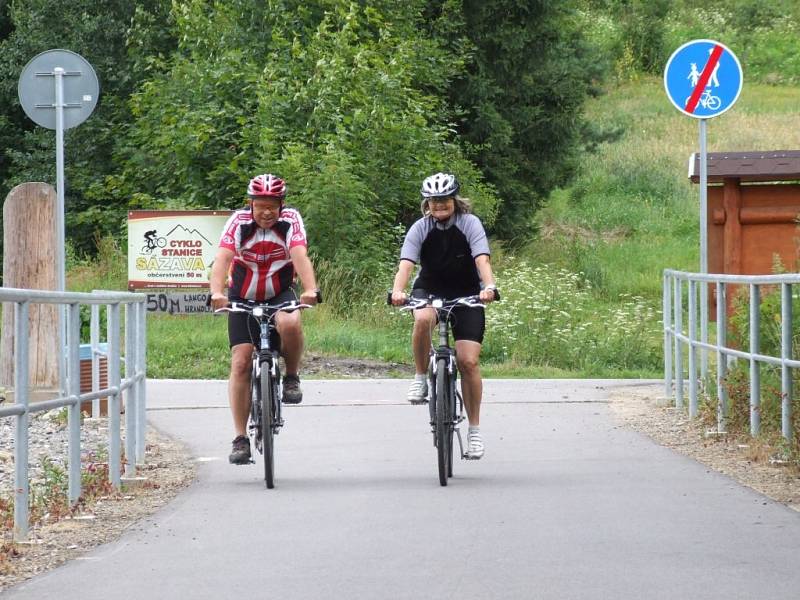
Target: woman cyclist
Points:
x,y
450,246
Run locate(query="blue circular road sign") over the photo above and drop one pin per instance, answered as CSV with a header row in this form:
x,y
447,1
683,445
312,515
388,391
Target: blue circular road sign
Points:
x,y
703,78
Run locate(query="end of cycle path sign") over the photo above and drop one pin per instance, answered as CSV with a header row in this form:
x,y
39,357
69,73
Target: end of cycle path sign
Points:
x,y
703,78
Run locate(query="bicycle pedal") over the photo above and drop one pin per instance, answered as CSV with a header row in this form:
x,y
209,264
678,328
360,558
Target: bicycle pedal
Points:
x,y
418,402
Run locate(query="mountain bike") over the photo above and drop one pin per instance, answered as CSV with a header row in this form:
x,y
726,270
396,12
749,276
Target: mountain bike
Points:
x,y
265,420
445,403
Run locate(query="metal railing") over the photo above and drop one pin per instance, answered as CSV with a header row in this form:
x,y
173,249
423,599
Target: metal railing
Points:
x,y
676,339
133,384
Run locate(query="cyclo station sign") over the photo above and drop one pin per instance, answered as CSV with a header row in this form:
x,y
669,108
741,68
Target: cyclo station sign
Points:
x,y
172,252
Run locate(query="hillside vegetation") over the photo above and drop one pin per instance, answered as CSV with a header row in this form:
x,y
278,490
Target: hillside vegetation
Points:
x,y
582,298
555,120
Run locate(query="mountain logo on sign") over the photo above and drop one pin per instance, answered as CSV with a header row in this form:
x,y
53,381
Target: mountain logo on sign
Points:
x,y
189,232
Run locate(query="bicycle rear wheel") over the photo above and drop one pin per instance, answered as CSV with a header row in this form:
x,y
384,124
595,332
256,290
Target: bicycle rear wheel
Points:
x,y
267,420
444,437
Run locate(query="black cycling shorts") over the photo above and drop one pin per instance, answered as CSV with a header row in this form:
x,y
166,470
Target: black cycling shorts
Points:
x,y
466,323
243,327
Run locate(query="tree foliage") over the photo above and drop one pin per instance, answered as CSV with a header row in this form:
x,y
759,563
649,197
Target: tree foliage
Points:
x,y
520,97
333,100
354,103
98,30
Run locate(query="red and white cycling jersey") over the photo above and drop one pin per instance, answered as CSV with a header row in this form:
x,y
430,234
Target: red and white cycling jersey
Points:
x,y
262,267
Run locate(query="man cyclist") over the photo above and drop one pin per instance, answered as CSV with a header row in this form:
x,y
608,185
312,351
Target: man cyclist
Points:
x,y
261,249
450,245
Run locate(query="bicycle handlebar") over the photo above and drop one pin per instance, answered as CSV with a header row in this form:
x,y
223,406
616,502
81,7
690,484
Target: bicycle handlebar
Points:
x,y
251,306
412,303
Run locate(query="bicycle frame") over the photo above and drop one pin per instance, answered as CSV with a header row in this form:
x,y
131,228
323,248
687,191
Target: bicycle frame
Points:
x,y
446,405
446,352
265,357
265,419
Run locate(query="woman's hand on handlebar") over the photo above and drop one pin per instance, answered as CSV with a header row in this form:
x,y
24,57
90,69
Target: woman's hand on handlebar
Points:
x,y
399,298
488,295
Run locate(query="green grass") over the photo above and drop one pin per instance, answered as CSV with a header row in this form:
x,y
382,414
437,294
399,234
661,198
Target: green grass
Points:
x,y
631,210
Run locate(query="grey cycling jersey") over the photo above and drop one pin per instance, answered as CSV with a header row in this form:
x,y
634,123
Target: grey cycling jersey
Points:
x,y
446,253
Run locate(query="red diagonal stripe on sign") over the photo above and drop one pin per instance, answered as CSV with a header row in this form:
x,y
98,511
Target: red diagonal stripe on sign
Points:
x,y
691,104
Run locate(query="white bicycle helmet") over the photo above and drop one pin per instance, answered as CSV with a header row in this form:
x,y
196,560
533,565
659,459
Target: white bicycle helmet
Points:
x,y
439,185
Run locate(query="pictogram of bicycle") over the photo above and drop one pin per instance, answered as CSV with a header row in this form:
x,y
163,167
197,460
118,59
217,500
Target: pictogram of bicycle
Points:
x,y
152,242
707,101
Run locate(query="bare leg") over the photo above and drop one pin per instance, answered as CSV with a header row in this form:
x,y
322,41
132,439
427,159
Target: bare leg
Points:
x,y
239,386
468,355
424,319
291,331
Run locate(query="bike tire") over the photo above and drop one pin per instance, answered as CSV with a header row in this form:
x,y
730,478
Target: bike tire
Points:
x,y
267,420
443,403
453,416
432,400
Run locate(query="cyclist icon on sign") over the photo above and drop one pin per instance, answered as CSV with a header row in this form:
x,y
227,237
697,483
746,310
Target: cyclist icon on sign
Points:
x,y
707,100
152,241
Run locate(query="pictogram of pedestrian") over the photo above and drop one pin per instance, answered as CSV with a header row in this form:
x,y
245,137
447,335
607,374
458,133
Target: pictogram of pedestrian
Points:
x,y
713,80
694,74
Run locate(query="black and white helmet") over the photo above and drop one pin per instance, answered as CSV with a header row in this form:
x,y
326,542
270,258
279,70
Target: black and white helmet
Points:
x,y
439,185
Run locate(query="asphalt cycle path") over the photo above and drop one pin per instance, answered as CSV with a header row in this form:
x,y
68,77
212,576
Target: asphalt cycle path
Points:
x,y
566,504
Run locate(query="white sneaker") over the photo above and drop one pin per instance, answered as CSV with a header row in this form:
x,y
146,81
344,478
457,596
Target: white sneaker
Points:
x,y
474,445
418,392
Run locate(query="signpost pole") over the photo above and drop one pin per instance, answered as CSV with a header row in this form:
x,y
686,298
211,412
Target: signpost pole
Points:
x,y
703,247
703,79
43,101
58,73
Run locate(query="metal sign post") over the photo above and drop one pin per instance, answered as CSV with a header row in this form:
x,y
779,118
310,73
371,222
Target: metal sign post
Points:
x,y
58,75
46,81
703,79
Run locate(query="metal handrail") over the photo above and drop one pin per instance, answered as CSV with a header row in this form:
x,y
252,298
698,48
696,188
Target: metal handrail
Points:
x,y
133,384
675,340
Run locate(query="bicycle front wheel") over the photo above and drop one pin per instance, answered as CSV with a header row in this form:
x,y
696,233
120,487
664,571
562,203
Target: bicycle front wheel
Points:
x,y
454,398
444,437
267,421
256,426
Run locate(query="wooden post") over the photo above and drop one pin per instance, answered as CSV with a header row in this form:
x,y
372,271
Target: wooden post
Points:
x,y
732,237
29,263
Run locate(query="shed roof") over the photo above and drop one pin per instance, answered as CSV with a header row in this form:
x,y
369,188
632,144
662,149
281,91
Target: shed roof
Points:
x,y
772,165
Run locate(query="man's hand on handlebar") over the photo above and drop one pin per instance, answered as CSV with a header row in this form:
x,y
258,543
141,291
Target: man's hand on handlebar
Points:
x,y
219,300
311,297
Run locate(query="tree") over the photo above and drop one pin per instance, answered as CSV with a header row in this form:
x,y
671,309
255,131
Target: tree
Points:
x,y
330,95
520,98
100,31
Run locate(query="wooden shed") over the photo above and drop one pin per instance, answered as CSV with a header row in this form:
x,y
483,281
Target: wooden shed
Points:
x,y
753,207
753,204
